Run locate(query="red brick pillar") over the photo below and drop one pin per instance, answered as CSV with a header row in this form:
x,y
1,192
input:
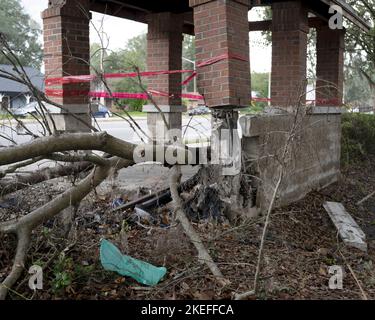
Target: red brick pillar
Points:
x,y
67,52
164,52
330,48
222,28
289,50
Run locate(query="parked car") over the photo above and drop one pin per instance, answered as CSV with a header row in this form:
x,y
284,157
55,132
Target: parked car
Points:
x,y
103,111
199,110
33,108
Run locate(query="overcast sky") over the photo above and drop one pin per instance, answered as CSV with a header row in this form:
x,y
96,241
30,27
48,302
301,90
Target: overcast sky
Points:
x,y
121,30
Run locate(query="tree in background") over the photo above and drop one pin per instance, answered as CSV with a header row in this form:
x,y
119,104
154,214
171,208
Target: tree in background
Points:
x,y
360,46
125,60
357,88
21,32
360,53
133,55
188,52
259,83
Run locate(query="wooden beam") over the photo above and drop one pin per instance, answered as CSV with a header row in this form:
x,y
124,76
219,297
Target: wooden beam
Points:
x,y
138,15
118,11
188,29
266,25
350,14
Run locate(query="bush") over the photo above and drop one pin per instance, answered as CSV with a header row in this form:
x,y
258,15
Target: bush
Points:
x,y
133,104
358,137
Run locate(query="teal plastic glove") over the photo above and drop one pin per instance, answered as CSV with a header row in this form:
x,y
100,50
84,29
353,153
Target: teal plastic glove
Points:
x,y
113,260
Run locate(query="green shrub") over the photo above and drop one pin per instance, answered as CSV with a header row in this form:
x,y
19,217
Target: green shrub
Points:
x,y
358,137
63,273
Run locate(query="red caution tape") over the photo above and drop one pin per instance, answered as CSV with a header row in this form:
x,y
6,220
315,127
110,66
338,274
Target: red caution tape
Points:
x,y
224,56
188,79
192,96
127,95
89,78
118,95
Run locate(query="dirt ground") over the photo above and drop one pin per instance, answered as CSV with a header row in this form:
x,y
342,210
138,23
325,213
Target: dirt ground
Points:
x,y
301,245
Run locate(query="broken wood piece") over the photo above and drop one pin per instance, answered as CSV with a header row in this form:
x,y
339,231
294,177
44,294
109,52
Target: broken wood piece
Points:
x,y
349,230
162,197
365,198
132,204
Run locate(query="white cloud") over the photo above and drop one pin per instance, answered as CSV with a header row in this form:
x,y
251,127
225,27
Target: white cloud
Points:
x,y
34,8
118,30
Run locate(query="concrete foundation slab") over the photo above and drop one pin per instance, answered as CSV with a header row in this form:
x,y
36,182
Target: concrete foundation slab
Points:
x,y
313,161
349,230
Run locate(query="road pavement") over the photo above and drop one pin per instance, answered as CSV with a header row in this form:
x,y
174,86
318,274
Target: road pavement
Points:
x,y
198,127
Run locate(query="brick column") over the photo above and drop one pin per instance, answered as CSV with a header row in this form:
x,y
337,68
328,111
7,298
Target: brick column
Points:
x,y
289,50
330,48
164,52
66,51
221,27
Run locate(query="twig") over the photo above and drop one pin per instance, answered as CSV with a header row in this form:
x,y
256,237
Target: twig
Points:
x,y
363,293
282,164
365,198
250,293
19,165
203,255
24,226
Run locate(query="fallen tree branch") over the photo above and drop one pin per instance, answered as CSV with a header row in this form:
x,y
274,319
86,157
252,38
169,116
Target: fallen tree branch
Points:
x,y
19,165
22,181
67,142
23,243
87,157
102,141
23,227
203,255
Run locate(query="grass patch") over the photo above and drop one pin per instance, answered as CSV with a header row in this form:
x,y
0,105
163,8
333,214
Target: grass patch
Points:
x,y
4,116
